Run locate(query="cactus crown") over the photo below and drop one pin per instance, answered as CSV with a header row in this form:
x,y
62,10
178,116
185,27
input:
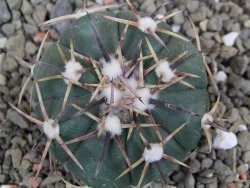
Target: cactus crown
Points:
x,y
120,93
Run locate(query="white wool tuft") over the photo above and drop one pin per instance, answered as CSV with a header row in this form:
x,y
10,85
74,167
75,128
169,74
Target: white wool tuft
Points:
x,y
147,23
229,39
50,131
71,71
165,70
221,76
224,140
111,69
145,96
113,125
132,82
205,119
154,154
107,94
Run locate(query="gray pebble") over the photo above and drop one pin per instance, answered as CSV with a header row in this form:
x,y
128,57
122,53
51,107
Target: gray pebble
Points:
x,y
207,173
240,64
198,16
232,115
246,156
206,180
39,14
189,181
26,7
15,4
206,163
52,178
30,29
16,119
3,42
203,25
2,80
192,6
8,29
243,140
3,179
30,48
61,8
4,12
215,23
179,18
228,52
16,156
242,168
195,166
224,172
148,6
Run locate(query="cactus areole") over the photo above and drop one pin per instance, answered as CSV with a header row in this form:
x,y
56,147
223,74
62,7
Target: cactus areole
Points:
x,y
129,107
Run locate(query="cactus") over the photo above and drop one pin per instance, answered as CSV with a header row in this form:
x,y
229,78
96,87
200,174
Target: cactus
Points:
x,y
123,97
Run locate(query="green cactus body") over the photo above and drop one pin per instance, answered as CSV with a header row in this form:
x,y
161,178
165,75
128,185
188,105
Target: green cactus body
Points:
x,y
88,151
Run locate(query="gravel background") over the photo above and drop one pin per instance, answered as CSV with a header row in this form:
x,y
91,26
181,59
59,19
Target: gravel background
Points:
x,y
21,143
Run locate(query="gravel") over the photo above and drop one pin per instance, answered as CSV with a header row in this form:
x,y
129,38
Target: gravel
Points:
x,y
220,168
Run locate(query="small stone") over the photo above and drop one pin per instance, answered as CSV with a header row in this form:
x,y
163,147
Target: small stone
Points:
x,y
228,52
52,178
14,117
224,140
207,173
3,42
30,29
4,12
16,156
3,178
194,166
8,29
240,64
30,48
148,6
189,180
203,25
176,28
243,138
229,39
224,173
2,80
246,156
179,18
206,180
39,13
192,6
242,168
221,76
26,7
215,23
232,115
242,127
206,163
198,16
247,23
61,8
15,4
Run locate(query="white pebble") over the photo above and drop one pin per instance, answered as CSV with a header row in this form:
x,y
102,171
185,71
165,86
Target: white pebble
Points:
x,y
229,39
221,76
225,140
176,28
242,128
